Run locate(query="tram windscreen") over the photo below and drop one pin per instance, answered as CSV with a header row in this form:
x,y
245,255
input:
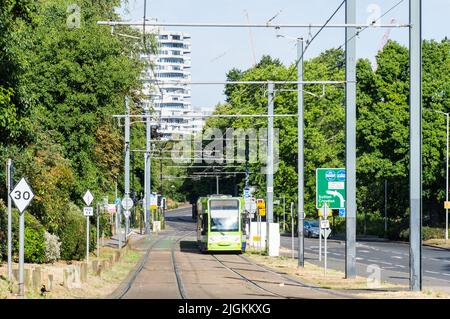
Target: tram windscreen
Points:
x,y
224,215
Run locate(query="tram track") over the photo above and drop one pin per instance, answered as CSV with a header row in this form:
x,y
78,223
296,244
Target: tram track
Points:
x,y
129,281
176,269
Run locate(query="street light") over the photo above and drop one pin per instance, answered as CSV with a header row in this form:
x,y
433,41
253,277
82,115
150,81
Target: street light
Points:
x,y
446,167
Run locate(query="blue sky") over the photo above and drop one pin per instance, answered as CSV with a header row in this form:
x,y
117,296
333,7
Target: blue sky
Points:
x,y
215,51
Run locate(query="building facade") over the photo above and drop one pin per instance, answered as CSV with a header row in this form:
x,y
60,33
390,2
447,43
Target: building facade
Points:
x,y
166,85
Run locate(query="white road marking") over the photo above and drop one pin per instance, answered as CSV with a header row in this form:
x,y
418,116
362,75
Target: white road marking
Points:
x,y
400,266
385,263
364,251
373,261
397,257
432,272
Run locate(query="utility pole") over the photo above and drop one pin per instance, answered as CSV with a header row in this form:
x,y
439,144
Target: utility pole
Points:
x,y
148,171
385,208
133,191
127,163
415,174
301,170
217,184
269,176
350,138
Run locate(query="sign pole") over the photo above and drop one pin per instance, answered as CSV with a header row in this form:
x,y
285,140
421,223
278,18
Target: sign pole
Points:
x,y
325,213
9,181
87,239
21,253
98,229
292,229
446,181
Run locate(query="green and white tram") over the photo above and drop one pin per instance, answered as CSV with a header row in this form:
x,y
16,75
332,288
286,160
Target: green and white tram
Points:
x,y
220,223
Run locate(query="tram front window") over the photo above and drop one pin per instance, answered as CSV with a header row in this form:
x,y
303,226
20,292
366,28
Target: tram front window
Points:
x,y
224,215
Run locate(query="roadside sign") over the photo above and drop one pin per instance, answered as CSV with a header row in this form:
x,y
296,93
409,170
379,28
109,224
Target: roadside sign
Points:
x,y
324,223
262,212
250,205
88,197
111,208
117,201
126,213
153,201
325,211
22,195
330,187
342,212
246,192
447,205
88,211
127,203
325,232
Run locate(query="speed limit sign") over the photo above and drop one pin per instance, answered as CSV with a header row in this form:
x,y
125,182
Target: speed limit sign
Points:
x,y
22,194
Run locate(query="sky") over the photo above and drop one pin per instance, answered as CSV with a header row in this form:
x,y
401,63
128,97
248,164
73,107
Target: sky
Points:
x,y
217,50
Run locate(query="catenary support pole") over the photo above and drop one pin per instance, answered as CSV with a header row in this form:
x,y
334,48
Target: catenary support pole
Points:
x,y
385,208
446,179
301,171
270,159
98,229
148,173
127,162
87,239
9,185
415,174
350,139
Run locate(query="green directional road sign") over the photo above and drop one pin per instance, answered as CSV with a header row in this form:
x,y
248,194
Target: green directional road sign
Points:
x,y
330,187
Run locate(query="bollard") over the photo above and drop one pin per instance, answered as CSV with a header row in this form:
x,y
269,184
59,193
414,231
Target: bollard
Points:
x,y
94,266
27,278
66,278
37,278
83,272
50,282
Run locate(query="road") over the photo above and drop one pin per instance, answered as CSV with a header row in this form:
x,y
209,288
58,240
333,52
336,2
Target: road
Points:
x,y
391,257
174,268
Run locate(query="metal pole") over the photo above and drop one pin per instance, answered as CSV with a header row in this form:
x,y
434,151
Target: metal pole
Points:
x,y
9,182
284,213
446,180
292,230
127,160
269,177
98,229
21,253
350,139
301,170
148,175
217,184
326,251
119,231
87,239
415,177
320,240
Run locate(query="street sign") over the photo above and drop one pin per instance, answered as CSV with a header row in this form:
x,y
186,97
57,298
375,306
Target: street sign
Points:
x,y
111,208
117,201
325,211
88,211
325,232
153,201
324,223
22,195
127,203
342,212
262,212
246,192
330,187
250,205
447,205
88,197
126,213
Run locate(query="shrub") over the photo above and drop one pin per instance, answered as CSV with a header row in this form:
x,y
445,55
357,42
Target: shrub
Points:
x,y
427,233
34,245
52,247
73,235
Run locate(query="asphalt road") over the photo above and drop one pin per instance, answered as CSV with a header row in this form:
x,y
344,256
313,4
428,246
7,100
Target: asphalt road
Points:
x,y
392,258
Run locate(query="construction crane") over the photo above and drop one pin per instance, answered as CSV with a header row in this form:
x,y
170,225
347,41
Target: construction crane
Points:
x,y
251,38
383,42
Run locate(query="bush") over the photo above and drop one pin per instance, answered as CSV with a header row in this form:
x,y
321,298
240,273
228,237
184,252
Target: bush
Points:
x,y
34,245
73,235
427,233
52,248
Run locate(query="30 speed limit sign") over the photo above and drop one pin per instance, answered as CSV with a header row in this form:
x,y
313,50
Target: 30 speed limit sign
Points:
x,y
22,195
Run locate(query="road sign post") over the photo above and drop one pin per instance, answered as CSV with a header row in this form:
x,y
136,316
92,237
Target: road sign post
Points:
x,y
9,184
22,195
292,230
127,204
88,211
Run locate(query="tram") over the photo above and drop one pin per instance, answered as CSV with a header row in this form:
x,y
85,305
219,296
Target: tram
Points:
x,y
220,223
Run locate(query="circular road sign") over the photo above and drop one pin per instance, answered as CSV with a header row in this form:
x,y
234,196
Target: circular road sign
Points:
x,y
127,203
